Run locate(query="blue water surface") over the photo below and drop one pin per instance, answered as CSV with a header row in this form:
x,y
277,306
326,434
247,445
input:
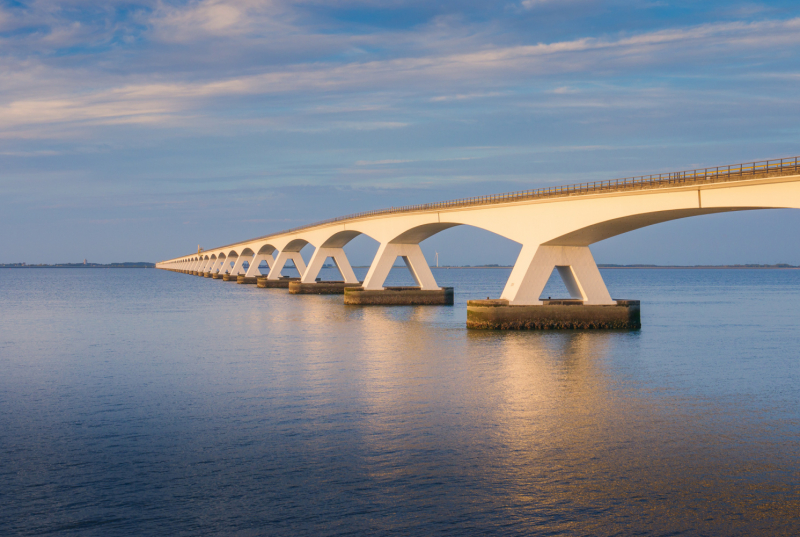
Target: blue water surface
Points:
x,y
146,402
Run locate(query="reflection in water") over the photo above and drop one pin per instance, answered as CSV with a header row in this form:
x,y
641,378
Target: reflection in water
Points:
x,y
143,402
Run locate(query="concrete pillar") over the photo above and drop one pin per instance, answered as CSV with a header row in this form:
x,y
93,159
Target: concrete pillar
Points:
x,y
226,264
319,258
413,258
283,257
575,265
237,265
253,271
220,265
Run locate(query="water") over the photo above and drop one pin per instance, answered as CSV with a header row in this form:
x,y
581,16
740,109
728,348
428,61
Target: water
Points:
x,y
143,402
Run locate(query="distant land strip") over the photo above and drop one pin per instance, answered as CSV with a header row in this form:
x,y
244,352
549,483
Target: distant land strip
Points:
x,y
80,265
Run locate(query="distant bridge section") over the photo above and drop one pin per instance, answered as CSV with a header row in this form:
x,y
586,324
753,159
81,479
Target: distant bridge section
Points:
x,y
555,227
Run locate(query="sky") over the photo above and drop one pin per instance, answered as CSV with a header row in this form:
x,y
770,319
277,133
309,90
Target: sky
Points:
x,y
136,130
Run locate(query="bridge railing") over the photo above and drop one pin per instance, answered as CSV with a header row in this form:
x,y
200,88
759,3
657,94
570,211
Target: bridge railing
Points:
x,y
734,172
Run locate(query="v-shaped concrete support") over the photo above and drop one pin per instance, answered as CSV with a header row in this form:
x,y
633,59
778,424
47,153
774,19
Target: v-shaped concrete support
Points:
x,y
253,270
318,259
237,266
412,256
575,265
220,265
283,257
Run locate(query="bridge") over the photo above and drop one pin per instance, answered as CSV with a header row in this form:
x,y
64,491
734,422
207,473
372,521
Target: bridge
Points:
x,y
555,227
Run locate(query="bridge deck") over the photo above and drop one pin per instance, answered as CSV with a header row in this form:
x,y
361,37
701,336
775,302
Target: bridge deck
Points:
x,y
701,176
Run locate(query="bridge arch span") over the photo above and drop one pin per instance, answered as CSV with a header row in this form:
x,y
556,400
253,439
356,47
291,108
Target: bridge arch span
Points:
x,y
606,229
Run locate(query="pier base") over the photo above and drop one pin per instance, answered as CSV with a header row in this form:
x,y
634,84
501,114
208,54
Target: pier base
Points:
x,y
282,283
553,315
241,278
399,296
319,288
217,276
206,275
228,278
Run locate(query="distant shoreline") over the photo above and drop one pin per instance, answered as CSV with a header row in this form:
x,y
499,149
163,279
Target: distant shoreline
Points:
x,y
702,267
79,265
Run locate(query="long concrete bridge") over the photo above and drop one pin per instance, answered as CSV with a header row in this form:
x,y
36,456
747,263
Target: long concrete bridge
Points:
x,y
555,227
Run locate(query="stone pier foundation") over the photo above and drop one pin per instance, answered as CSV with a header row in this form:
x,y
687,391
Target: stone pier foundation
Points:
x,y
319,288
553,315
399,296
282,283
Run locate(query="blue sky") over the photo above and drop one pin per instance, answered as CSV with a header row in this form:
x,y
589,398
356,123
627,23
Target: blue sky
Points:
x,y
136,130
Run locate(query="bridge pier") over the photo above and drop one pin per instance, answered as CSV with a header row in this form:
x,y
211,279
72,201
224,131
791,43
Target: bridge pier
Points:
x,y
575,265
280,261
553,315
520,307
221,262
425,293
321,255
237,266
297,287
412,257
282,283
398,296
253,270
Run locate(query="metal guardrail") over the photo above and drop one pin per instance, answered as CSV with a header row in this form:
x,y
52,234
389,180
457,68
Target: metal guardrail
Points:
x,y
730,173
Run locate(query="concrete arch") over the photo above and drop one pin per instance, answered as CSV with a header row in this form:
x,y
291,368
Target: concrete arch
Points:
x,y
419,233
341,238
266,249
600,231
254,254
295,245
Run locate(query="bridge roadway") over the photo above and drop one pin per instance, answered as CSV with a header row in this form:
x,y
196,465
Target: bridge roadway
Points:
x,y
555,227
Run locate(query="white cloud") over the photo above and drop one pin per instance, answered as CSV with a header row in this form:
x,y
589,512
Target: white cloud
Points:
x,y
219,18
37,94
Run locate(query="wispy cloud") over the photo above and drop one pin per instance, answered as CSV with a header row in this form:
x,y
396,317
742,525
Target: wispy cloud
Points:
x,y
39,95
380,162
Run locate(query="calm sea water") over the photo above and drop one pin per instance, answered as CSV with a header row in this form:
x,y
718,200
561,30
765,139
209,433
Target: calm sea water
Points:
x,y
143,402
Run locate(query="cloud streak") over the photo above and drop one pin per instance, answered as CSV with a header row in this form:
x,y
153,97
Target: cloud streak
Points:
x,y
173,102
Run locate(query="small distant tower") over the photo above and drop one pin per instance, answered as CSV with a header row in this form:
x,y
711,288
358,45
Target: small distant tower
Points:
x,y
84,260
199,249
437,259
